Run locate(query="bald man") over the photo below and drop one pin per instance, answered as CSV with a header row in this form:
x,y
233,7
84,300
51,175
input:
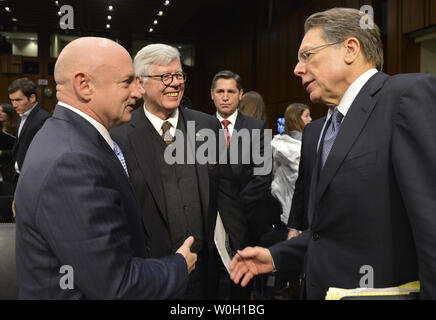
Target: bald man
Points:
x,y
79,230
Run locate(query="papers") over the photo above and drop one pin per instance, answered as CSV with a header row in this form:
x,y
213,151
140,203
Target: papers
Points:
x,y
399,292
221,242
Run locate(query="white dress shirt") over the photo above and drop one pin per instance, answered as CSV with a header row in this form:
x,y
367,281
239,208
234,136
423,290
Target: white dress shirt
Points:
x,y
157,122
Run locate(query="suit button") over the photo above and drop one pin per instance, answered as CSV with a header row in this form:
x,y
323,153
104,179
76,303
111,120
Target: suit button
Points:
x,y
315,237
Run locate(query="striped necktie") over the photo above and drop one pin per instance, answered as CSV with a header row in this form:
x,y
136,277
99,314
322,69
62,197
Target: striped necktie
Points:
x,y
120,157
330,136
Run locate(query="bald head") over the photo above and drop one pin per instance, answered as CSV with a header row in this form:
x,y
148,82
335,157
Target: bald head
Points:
x,y
96,76
85,55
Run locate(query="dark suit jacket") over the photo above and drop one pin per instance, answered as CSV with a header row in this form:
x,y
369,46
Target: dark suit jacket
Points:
x,y
33,123
75,206
134,139
374,204
241,202
300,199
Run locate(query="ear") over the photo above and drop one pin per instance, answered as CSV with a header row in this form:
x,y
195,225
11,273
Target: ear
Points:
x,y
83,86
211,94
32,98
352,50
241,93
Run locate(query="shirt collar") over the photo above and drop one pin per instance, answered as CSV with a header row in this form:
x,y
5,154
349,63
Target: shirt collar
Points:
x,y
353,90
97,125
157,122
231,118
26,114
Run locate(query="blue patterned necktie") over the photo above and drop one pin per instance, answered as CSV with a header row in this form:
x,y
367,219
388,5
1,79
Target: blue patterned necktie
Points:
x,y
120,157
330,136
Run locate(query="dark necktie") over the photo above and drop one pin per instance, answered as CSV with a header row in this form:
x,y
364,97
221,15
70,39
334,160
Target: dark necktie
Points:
x,y
120,157
330,136
166,135
226,131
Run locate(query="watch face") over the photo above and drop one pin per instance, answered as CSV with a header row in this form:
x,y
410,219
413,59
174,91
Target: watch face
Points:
x,y
48,92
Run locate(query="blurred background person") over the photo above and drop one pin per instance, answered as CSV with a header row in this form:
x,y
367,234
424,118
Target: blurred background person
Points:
x,y
10,121
286,156
9,118
252,105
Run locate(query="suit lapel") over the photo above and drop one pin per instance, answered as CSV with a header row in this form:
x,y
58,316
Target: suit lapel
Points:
x,y
140,138
351,128
28,121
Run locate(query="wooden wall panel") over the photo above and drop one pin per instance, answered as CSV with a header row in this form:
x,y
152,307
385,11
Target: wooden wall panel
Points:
x,y
414,15
433,12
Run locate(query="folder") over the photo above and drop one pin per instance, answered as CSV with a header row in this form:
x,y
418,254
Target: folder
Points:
x,y
408,291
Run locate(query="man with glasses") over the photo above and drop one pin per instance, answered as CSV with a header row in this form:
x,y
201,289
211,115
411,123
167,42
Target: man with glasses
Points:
x,y
177,199
372,202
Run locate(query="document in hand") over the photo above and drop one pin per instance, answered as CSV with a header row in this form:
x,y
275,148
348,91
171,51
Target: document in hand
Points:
x,y
409,291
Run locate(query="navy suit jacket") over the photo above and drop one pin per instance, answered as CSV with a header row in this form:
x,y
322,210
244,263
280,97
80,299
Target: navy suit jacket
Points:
x,y
134,138
241,201
300,199
375,201
76,207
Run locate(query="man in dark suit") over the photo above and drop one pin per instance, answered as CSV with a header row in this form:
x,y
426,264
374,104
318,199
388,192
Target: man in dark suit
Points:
x,y
23,96
372,198
241,204
177,199
79,232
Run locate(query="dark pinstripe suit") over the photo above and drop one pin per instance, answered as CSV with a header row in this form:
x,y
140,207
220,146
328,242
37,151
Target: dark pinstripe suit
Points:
x,y
75,207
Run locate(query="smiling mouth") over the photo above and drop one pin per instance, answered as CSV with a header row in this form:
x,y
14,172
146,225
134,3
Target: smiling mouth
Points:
x,y
172,94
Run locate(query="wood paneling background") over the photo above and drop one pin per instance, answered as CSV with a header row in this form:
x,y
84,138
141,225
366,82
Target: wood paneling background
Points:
x,y
259,40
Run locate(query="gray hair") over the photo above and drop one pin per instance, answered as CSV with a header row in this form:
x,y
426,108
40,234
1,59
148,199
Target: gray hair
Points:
x,y
154,53
338,24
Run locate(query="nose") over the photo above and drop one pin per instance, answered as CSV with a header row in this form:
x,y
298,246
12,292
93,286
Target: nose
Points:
x,y
300,69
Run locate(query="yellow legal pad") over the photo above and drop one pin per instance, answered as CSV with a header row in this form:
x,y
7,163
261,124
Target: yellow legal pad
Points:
x,y
401,292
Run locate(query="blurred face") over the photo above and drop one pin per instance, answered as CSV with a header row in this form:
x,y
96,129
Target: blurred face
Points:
x,y
116,92
20,102
305,116
226,97
161,99
3,115
323,73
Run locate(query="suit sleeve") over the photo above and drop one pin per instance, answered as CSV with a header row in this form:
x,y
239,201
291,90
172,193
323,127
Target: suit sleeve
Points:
x,y
414,162
80,214
289,255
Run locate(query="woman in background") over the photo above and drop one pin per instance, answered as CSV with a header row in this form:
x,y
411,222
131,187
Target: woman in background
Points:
x,y
252,105
286,155
9,118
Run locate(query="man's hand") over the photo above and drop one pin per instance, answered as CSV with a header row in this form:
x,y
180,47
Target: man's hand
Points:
x,y
292,234
249,263
185,251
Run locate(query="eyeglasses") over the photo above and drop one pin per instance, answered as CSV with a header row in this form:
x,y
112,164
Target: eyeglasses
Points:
x,y
303,56
168,78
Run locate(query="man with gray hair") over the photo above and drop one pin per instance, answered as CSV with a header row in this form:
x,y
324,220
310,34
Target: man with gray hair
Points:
x,y
177,199
372,203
